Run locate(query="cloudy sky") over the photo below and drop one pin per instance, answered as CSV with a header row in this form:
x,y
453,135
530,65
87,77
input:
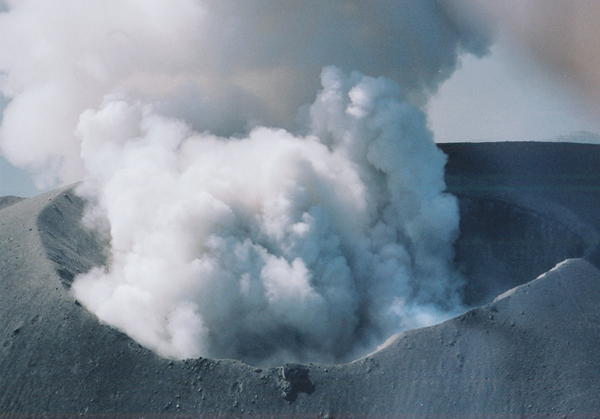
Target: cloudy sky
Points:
x,y
539,83
506,96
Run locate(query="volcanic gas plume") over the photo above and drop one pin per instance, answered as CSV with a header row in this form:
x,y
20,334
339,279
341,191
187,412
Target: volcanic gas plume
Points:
x,y
228,237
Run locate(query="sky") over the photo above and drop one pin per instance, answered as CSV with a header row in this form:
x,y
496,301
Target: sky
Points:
x,y
540,82
505,96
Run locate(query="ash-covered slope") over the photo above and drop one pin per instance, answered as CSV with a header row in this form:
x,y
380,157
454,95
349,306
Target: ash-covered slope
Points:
x,y
531,352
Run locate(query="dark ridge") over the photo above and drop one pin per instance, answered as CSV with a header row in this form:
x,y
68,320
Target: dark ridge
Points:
x,y
529,162
6,201
72,248
565,173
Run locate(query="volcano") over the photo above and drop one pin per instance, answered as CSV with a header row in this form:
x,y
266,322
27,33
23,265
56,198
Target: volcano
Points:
x,y
528,246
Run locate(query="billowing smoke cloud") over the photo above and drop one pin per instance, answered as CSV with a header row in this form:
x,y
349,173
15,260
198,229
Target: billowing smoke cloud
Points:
x,y
221,65
313,241
271,244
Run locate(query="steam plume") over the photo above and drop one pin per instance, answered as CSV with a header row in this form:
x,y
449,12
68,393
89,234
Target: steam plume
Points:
x,y
228,238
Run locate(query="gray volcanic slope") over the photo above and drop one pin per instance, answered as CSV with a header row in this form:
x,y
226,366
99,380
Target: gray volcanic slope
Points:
x,y
532,352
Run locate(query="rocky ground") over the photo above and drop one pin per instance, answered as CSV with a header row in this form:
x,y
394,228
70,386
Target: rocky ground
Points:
x,y
531,352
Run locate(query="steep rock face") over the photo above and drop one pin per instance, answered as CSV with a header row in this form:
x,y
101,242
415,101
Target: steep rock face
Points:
x,y
503,244
73,248
524,208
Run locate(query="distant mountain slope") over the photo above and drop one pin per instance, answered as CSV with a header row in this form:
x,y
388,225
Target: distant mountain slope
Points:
x,y
6,201
531,353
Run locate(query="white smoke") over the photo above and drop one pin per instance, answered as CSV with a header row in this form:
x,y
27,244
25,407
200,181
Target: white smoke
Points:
x,y
229,238
271,243
221,65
